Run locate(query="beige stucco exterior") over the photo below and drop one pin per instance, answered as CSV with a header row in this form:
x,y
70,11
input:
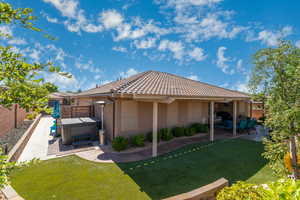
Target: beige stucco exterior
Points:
x,y
127,117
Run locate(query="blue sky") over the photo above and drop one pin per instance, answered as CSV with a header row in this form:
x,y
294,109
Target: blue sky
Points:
x,y
207,40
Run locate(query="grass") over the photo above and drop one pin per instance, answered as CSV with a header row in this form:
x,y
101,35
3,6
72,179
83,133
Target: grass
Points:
x,y
177,172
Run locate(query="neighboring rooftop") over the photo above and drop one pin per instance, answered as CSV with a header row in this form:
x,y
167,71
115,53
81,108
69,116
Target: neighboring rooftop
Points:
x,y
60,95
161,83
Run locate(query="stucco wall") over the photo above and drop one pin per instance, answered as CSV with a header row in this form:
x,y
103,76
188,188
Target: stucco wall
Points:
x,y
136,117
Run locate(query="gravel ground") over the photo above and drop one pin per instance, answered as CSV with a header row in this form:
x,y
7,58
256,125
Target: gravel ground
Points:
x,y
12,137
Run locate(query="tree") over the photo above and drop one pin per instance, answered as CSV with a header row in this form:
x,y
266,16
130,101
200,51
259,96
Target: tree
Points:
x,y
21,81
277,75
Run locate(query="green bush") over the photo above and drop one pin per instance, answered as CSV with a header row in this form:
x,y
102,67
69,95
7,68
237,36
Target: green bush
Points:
x,y
120,143
166,134
138,140
204,128
193,131
150,136
287,189
187,131
241,190
200,128
178,131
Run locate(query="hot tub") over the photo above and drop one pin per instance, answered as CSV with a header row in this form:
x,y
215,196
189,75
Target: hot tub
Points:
x,y
77,127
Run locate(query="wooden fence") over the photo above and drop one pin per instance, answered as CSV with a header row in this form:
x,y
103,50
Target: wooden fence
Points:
x,y
77,111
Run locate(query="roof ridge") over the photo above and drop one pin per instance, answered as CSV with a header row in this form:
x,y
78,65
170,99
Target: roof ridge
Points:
x,y
122,86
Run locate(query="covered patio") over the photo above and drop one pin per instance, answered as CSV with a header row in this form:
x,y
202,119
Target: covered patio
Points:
x,y
232,104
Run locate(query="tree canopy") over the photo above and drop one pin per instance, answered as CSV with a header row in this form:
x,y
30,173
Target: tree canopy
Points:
x,y
277,75
22,82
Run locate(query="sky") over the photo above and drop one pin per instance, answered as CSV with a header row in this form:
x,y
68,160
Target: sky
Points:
x,y
98,41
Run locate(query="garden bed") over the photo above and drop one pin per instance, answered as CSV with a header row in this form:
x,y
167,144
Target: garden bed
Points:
x,y
12,137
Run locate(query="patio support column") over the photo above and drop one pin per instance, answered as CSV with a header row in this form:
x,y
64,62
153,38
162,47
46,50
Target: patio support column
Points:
x,y
154,129
234,117
211,131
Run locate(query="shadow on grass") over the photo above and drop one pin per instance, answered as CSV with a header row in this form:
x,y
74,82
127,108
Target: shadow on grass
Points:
x,y
196,165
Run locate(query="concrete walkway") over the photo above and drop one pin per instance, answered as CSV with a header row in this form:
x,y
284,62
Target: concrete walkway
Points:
x,y
37,145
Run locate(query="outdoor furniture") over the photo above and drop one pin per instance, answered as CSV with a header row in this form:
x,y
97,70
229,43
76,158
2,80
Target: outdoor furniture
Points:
x,y
251,123
53,129
242,125
227,124
77,127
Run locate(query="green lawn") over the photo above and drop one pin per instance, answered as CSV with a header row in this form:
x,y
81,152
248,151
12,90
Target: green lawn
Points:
x,y
180,171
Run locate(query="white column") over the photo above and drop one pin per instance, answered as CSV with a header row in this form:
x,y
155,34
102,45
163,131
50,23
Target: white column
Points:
x,y
234,117
154,129
102,117
212,110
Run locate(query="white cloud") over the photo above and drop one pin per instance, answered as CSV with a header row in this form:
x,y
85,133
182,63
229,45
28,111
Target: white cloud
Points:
x,y
68,8
239,66
176,48
197,54
222,60
35,55
61,81
58,52
119,48
111,19
145,43
17,41
297,44
193,77
89,66
51,20
5,29
129,72
209,27
271,38
76,20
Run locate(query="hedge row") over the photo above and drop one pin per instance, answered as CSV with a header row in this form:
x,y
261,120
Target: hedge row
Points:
x,y
121,143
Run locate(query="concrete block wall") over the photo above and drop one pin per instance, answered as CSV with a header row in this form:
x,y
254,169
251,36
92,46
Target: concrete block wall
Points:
x,y
11,118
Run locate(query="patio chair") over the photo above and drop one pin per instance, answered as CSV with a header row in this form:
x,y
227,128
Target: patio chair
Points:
x,y
251,123
242,125
53,129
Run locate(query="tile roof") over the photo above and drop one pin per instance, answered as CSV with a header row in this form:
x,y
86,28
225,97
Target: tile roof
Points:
x,y
161,83
60,95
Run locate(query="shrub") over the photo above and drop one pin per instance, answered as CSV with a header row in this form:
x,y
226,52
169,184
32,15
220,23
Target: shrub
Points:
x,y
120,143
287,189
187,131
31,116
200,128
138,140
193,131
150,136
241,190
166,134
204,128
178,131
197,127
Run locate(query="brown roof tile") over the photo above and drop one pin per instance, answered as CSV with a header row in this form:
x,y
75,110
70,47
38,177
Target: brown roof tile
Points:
x,y
161,83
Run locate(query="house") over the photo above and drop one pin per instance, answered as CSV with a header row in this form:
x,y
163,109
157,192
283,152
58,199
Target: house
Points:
x,y
63,98
152,100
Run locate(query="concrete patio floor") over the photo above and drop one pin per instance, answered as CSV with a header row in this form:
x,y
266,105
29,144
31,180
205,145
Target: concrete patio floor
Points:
x,y
43,146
